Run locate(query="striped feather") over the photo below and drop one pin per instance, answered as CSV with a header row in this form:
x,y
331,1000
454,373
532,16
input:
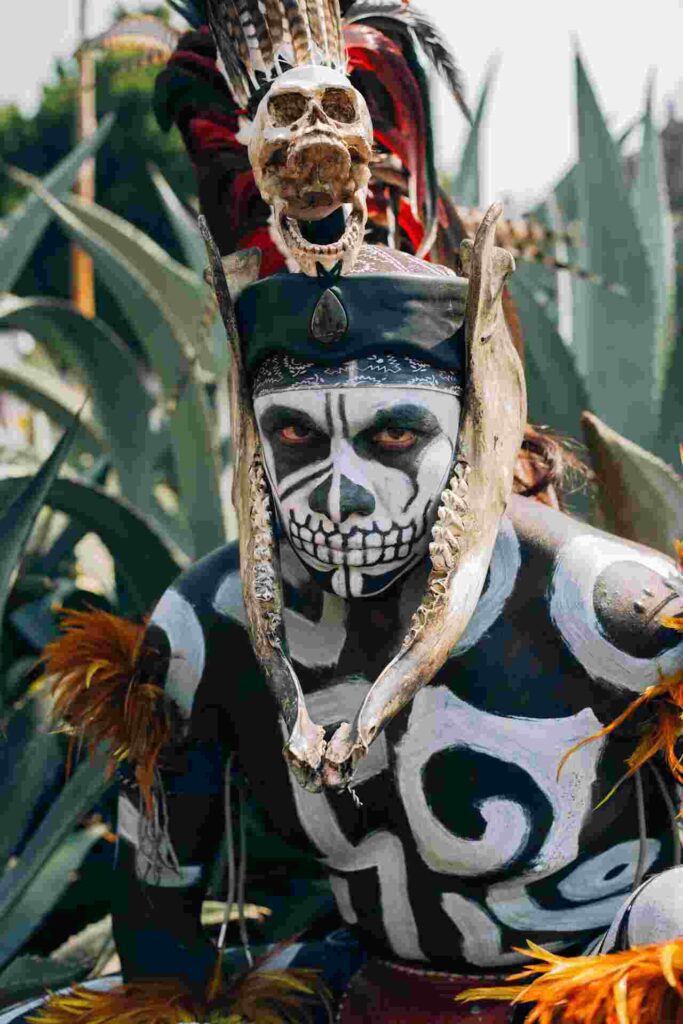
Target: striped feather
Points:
x,y
316,25
227,32
297,20
336,47
257,35
273,16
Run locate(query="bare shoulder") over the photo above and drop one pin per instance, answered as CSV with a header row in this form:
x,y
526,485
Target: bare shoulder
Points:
x,y
607,596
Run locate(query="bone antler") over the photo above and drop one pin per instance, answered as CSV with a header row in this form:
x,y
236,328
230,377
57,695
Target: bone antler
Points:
x,y
468,519
259,562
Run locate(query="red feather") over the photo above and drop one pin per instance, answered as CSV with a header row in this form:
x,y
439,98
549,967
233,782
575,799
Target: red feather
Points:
x,y
372,52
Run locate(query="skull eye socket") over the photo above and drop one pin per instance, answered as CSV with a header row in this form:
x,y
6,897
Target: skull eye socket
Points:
x,y
339,104
286,108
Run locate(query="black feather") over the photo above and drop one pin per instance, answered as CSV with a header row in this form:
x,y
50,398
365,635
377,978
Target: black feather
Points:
x,y
193,11
416,28
227,31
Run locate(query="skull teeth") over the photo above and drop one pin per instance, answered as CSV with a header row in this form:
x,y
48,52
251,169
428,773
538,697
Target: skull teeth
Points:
x,y
360,548
349,240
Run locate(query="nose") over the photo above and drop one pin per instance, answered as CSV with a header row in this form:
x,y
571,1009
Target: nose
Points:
x,y
348,496
316,113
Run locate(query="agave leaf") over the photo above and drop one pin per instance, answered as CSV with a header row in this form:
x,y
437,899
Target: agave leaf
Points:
x,y
45,391
556,393
168,348
616,332
101,357
30,758
145,560
217,358
42,887
671,421
465,188
29,976
641,497
181,291
80,793
182,222
27,498
23,227
651,206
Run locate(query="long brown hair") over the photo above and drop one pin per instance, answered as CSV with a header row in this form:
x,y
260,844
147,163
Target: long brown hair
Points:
x,y
548,467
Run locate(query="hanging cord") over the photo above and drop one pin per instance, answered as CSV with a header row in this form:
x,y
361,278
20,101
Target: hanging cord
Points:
x,y
230,852
154,839
242,878
642,831
673,819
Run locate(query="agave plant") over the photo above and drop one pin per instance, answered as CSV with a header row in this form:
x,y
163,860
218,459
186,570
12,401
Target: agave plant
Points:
x,y
155,432
605,335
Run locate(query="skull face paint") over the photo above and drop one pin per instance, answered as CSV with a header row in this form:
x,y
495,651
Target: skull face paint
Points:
x,y
310,149
357,475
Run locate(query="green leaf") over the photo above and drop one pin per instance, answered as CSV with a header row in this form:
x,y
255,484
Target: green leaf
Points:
x,y
179,289
167,346
616,333
32,750
21,230
52,847
671,420
650,203
145,560
43,889
183,224
101,358
556,393
45,391
465,188
641,497
27,498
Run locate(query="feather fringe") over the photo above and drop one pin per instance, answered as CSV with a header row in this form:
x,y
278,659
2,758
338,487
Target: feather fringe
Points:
x,y
661,735
261,997
638,986
99,694
152,1002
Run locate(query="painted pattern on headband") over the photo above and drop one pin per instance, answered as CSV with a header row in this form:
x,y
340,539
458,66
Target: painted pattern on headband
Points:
x,y
284,373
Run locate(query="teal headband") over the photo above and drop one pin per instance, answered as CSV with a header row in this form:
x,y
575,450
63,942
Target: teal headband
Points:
x,y
332,320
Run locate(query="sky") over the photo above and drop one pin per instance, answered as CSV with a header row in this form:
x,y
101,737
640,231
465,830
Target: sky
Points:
x,y
529,135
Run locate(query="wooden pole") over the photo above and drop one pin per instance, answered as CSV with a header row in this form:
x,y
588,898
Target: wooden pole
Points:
x,y
82,270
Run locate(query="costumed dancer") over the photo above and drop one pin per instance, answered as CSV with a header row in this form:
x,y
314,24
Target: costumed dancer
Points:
x,y
420,644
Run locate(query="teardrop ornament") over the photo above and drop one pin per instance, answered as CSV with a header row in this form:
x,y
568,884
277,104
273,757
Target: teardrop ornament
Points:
x,y
329,322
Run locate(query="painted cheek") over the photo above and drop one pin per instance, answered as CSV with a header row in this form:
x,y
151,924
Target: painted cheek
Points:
x,y
393,488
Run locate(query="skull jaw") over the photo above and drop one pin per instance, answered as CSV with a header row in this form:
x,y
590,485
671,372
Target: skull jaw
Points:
x,y
307,254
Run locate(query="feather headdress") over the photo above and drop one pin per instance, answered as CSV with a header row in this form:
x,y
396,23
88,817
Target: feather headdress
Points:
x,y
259,39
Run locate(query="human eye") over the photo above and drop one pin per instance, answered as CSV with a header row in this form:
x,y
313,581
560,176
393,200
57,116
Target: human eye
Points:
x,y
296,434
395,439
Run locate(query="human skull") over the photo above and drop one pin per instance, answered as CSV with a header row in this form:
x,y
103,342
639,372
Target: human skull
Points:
x,y
310,152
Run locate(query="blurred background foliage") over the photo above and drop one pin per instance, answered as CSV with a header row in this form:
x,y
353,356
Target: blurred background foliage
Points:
x,y
138,485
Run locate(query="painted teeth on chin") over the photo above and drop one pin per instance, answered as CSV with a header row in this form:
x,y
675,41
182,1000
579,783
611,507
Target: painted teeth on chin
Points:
x,y
322,554
389,554
306,534
404,551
